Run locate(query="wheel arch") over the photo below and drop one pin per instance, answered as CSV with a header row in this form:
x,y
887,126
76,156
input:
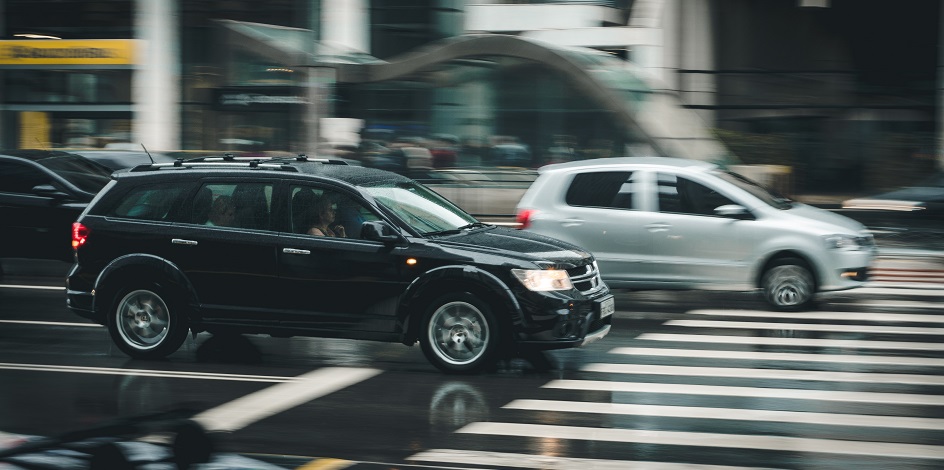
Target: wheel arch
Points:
x,y
768,262
438,281
140,266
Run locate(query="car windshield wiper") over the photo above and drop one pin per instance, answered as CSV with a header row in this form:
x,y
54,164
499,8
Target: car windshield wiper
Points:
x,y
454,231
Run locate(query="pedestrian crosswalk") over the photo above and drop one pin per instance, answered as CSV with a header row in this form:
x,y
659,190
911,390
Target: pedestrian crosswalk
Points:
x,y
859,386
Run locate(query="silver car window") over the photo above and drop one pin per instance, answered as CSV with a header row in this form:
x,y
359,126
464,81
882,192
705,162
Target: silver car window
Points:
x,y
681,195
610,189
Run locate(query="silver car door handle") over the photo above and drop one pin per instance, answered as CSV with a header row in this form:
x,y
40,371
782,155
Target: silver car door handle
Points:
x,y
295,251
658,227
181,241
571,222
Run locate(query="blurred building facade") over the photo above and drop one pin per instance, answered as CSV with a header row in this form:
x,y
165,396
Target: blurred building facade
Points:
x,y
844,92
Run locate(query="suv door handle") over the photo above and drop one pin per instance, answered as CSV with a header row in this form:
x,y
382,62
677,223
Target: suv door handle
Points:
x,y
181,241
295,251
658,227
571,222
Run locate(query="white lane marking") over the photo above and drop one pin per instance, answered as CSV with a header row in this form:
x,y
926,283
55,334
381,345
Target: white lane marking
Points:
x,y
243,411
735,441
775,356
733,414
851,316
51,323
813,342
900,304
16,286
903,330
550,462
753,392
915,290
766,374
144,373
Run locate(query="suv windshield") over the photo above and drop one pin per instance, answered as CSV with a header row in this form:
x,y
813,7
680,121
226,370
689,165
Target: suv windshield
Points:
x,y
421,208
82,173
769,197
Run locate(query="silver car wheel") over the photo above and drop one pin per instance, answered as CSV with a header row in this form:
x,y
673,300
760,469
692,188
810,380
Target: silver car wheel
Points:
x,y
458,333
142,319
788,285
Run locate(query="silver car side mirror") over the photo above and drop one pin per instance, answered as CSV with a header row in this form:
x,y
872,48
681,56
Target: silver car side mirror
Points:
x,y
733,211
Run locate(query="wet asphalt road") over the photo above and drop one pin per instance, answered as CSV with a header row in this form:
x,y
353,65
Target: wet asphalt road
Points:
x,y
684,379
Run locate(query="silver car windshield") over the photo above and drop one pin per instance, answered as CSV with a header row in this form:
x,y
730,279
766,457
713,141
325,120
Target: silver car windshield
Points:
x,y
421,208
769,197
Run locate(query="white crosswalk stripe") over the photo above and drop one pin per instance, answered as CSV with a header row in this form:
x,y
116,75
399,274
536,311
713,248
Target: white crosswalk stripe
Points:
x,y
864,360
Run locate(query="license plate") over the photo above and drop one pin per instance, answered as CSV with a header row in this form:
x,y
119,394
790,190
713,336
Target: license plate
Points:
x,y
607,307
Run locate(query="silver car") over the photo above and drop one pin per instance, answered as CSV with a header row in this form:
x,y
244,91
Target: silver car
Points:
x,y
670,223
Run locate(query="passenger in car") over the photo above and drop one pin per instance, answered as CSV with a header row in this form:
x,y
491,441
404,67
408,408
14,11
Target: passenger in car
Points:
x,y
222,212
324,215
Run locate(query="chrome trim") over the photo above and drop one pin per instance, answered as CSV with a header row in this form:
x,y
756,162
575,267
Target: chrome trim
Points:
x,y
181,241
596,336
295,251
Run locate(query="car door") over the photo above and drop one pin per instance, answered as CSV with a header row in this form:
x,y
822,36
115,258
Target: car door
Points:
x,y
232,264
37,211
689,243
337,283
599,212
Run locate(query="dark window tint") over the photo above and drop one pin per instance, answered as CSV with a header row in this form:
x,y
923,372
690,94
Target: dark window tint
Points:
x,y
319,212
150,202
18,177
684,196
86,175
243,205
602,189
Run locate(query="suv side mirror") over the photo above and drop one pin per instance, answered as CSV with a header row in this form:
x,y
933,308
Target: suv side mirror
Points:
x,y
378,231
734,211
48,190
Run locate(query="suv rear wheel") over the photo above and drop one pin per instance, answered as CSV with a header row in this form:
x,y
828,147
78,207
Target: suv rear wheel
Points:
x,y
460,334
145,323
788,284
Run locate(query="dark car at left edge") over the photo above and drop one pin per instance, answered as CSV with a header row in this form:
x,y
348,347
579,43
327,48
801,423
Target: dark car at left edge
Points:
x,y
41,193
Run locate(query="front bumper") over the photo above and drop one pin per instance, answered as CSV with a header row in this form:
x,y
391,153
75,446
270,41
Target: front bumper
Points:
x,y
557,322
846,269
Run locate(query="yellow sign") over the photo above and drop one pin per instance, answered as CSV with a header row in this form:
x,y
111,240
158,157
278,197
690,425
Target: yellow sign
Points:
x,y
34,130
68,52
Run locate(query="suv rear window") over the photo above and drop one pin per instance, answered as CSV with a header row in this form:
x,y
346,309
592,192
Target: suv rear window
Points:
x,y
149,202
602,189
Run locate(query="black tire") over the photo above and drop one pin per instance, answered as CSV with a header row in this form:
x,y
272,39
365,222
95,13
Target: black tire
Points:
x,y
146,322
460,334
788,284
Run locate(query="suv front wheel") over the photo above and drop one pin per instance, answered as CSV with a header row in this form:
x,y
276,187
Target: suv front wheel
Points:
x,y
145,323
460,334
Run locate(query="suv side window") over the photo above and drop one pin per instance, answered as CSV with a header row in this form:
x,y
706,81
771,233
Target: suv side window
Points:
x,y
241,205
611,189
683,196
324,212
149,202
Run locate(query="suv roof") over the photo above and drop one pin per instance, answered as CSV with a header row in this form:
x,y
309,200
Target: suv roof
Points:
x,y
330,168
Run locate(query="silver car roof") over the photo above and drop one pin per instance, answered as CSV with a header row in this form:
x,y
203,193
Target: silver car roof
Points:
x,y
635,161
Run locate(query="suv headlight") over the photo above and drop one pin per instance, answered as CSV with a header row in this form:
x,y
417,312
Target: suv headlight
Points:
x,y
541,280
844,242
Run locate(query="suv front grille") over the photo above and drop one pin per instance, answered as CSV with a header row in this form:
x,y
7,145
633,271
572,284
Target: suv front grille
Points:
x,y
586,278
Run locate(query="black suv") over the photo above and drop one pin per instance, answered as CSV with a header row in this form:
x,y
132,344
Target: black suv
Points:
x,y
404,264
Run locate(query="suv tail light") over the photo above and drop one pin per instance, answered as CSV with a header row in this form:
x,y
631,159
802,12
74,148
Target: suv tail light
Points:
x,y
523,218
79,235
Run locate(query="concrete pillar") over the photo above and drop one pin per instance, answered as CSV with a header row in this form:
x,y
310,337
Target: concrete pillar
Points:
x,y
155,82
346,23
940,88
697,53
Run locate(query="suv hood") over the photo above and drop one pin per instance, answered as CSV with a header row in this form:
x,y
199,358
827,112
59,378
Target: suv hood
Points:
x,y
518,244
828,221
